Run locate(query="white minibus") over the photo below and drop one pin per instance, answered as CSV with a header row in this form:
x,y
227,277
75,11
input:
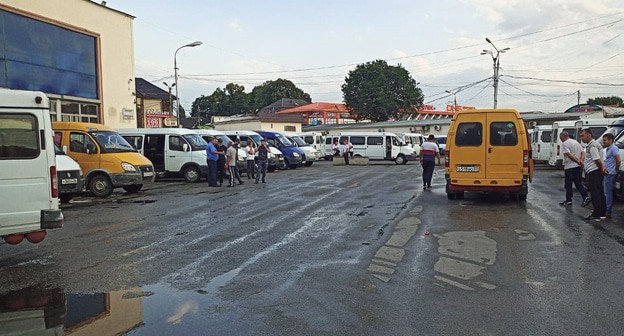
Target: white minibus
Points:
x,y
379,146
541,142
556,155
173,151
29,203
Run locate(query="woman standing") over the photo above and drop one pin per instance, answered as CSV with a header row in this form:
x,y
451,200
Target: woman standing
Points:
x,y
251,159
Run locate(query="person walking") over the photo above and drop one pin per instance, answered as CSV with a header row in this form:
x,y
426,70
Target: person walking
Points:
x,y
347,150
335,149
236,170
594,170
212,156
221,162
573,157
612,163
429,152
263,160
231,163
251,159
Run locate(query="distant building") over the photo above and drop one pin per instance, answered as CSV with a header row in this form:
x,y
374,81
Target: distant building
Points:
x,y
79,52
153,105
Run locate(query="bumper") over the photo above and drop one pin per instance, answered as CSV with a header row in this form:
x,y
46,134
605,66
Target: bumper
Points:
x,y
410,157
70,182
295,161
51,219
203,170
143,176
489,186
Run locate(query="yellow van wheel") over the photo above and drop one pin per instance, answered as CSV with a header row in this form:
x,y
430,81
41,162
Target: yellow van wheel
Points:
x,y
100,185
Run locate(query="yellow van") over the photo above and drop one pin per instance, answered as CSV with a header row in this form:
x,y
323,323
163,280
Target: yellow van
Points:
x,y
488,150
107,160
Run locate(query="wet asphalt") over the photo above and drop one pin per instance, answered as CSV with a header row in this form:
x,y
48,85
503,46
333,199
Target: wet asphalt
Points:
x,y
324,250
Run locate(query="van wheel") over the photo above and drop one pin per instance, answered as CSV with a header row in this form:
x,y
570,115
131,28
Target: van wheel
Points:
x,y
309,163
65,198
271,169
131,189
191,174
460,195
451,196
400,160
100,186
522,197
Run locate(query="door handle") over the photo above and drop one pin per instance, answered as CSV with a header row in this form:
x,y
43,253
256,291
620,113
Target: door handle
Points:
x,y
490,150
171,155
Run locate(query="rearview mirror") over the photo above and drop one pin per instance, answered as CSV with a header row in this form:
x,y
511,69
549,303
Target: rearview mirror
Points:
x,y
185,147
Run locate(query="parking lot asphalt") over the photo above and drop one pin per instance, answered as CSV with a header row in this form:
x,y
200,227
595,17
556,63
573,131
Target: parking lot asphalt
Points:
x,y
357,250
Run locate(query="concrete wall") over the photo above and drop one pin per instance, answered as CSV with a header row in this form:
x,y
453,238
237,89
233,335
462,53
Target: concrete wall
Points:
x,y
252,125
115,31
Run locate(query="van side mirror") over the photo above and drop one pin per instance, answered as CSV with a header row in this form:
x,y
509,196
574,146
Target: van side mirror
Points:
x,y
185,147
90,148
64,149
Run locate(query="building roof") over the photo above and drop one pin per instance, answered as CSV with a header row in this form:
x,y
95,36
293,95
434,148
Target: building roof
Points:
x,y
284,103
145,89
103,4
317,107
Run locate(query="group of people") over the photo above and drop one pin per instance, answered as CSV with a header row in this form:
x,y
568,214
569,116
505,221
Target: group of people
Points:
x,y
346,150
601,166
221,158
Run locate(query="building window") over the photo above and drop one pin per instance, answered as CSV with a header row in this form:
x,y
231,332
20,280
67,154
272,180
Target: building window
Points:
x,y
74,111
290,128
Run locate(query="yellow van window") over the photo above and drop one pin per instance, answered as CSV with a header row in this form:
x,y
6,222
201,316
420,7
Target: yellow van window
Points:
x,y
503,134
80,142
469,134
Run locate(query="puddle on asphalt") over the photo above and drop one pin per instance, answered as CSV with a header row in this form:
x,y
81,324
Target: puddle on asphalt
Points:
x,y
150,310
146,201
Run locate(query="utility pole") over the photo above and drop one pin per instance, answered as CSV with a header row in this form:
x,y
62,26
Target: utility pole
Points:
x,y
578,97
496,60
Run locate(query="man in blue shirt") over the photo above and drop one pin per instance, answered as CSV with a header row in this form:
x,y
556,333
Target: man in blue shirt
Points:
x,y
212,156
612,163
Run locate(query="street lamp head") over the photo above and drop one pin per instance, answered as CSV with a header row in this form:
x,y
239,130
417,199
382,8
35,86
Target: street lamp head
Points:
x,y
488,40
447,91
194,44
503,50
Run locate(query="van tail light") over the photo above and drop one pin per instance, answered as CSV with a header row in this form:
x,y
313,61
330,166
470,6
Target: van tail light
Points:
x,y
54,181
525,163
558,150
447,164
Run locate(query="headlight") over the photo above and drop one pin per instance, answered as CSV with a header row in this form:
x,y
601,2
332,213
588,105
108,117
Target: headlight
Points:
x,y
296,155
271,155
128,167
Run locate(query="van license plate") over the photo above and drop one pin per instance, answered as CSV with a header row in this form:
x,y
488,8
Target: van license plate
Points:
x,y
69,181
469,169
146,174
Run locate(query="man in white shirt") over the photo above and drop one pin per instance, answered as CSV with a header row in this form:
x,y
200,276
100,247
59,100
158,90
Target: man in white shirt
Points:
x,y
572,160
594,170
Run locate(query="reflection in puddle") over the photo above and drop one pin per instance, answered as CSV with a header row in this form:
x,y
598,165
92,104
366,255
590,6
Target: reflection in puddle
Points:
x,y
153,310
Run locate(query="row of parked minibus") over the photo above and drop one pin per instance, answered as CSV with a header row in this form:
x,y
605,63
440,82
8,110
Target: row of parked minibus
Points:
x,y
546,143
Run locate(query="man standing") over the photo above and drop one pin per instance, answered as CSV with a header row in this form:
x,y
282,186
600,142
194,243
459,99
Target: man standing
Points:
x,y
231,162
212,156
263,160
237,146
572,161
594,170
221,162
347,150
429,152
612,163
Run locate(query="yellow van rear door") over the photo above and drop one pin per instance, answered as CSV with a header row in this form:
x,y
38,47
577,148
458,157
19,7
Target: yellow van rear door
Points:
x,y
504,150
469,147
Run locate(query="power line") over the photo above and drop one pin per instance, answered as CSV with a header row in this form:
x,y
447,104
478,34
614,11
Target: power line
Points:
x,y
563,81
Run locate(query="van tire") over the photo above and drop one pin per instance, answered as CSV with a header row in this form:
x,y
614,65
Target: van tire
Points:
x,y
400,160
191,174
451,196
100,185
65,198
309,163
131,189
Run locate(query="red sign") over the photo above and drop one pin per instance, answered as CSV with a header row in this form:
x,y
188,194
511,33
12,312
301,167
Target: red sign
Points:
x,y
152,122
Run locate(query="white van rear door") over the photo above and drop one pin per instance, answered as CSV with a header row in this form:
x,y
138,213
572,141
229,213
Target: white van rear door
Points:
x,y
25,183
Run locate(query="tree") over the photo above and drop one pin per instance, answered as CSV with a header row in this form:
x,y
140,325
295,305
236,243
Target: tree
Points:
x,y
379,92
230,100
613,101
274,90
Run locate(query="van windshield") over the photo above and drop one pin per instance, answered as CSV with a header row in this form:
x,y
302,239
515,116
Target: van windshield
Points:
x,y
196,141
284,140
299,141
112,142
256,138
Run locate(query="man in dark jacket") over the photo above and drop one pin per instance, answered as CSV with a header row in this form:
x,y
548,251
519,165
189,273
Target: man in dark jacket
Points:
x,y
221,161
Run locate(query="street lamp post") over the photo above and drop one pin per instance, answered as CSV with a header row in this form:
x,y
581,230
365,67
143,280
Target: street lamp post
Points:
x,y
454,99
170,100
496,60
175,71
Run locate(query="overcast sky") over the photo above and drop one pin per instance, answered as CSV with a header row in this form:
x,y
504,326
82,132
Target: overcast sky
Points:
x,y
557,47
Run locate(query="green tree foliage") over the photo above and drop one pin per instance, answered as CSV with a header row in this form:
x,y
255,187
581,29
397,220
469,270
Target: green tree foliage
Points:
x,y
274,90
379,92
230,100
611,101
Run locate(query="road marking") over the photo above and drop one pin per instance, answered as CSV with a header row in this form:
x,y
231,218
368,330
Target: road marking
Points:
x,y
452,283
547,227
525,235
390,253
380,269
458,269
